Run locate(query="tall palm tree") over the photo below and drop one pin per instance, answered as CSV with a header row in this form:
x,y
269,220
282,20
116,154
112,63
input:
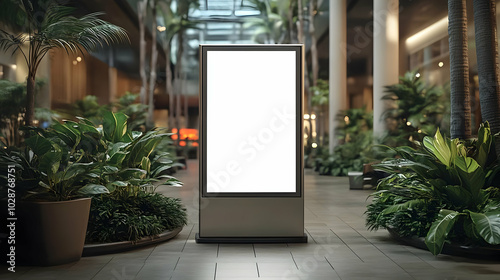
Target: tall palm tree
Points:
x,y
459,70
487,67
46,25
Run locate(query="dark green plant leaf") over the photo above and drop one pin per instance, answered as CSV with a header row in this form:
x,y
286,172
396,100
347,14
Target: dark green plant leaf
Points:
x,y
439,230
93,189
488,226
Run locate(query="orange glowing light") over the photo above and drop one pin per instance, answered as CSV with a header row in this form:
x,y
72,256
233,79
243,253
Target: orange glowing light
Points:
x,y
182,143
186,133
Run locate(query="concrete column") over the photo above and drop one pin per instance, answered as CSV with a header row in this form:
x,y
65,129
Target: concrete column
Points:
x,y
338,66
385,57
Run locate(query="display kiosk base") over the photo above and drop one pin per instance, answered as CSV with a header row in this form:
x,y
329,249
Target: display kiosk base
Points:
x,y
247,240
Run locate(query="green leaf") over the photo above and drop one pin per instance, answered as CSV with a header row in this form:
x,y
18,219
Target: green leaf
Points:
x,y
121,126
146,164
109,125
39,144
403,206
488,226
472,176
50,161
483,144
457,196
466,164
93,189
439,148
439,230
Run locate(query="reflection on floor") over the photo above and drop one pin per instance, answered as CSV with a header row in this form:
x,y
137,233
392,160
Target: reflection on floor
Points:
x,y
339,247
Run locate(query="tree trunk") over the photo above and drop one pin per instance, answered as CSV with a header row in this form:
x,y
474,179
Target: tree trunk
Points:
x,y
152,70
459,70
30,100
178,83
141,14
290,22
487,66
186,108
314,49
168,85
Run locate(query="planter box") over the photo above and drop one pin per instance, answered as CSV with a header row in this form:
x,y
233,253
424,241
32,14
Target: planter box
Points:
x,y
356,180
121,246
51,233
475,252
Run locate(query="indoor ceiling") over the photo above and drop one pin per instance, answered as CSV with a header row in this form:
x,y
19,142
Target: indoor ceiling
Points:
x,y
222,22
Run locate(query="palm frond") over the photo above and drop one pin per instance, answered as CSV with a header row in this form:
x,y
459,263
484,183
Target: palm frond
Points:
x,y
89,32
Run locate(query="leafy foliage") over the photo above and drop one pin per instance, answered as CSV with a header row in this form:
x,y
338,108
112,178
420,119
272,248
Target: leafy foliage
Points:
x,y
12,99
44,25
136,112
453,180
356,137
345,158
419,108
132,218
77,158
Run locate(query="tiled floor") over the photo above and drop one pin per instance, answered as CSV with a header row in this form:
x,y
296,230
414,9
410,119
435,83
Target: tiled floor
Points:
x,y
339,247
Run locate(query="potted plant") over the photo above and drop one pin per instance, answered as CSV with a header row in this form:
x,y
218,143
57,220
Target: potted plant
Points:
x,y
49,195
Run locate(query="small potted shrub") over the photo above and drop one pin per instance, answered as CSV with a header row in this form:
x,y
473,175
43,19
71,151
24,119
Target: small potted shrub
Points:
x,y
48,191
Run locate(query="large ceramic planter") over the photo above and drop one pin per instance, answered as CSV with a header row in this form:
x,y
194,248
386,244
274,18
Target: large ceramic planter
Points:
x,y
51,233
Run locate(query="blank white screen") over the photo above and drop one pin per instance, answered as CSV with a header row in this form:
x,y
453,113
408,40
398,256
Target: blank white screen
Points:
x,y
251,121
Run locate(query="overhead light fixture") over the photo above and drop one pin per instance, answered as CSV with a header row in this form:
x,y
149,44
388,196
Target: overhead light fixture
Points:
x,y
306,116
417,75
428,35
314,145
78,59
313,116
440,64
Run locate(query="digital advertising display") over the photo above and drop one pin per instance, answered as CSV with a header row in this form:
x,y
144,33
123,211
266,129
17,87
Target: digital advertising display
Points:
x,y
251,108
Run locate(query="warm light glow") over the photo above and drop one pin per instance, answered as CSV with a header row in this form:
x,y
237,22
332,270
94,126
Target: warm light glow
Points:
x,y
440,64
185,134
314,134
313,116
419,131
305,135
314,145
408,123
14,66
306,116
346,119
417,75
78,59
75,62
161,28
428,35
182,143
